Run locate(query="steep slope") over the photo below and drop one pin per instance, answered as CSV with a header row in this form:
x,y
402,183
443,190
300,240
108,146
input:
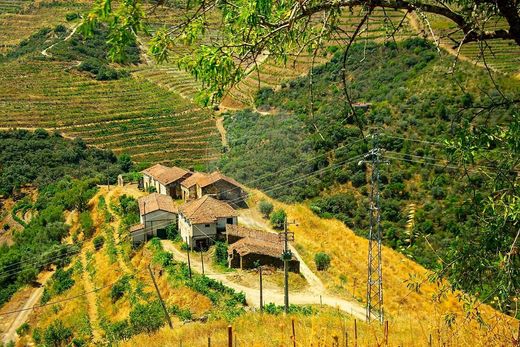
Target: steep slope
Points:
x,y
428,204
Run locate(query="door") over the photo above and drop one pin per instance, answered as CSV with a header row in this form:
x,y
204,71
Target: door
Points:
x,y
161,233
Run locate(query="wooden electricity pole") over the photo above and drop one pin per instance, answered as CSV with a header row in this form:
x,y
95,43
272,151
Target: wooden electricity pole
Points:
x,y
261,291
286,236
160,298
189,262
202,261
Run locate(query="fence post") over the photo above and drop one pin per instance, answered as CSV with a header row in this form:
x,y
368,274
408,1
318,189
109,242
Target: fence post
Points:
x,y
209,341
293,333
336,340
386,333
430,341
355,332
230,335
346,338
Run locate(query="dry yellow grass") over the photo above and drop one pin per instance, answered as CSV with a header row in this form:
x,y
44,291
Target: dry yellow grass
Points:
x,y
403,306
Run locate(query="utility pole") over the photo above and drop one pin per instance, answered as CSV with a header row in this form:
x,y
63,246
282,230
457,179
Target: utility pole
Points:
x,y
160,298
375,272
202,260
286,236
189,262
144,222
261,290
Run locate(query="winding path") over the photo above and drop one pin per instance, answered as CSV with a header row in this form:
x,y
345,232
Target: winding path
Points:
x,y
314,295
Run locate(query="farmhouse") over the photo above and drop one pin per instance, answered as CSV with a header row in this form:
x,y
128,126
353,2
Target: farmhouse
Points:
x,y
166,180
215,184
156,211
204,220
249,247
189,186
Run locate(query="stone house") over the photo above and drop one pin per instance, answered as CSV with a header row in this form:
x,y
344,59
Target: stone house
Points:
x,y
189,186
166,180
156,211
215,184
204,220
248,247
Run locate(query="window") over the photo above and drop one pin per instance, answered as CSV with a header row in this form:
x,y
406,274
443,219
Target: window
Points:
x,y
229,221
206,225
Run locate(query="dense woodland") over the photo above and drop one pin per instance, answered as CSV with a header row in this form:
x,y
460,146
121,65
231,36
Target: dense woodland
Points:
x,y
65,174
432,196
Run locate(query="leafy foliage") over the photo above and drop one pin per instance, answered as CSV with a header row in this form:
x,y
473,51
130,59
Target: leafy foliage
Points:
x,y
278,218
322,261
221,255
420,106
42,158
265,208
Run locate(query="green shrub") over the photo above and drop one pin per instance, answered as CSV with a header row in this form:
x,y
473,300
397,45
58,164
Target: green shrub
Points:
x,y
57,334
221,255
37,336
278,219
322,261
172,232
119,288
184,314
87,224
71,16
23,329
98,242
147,318
265,207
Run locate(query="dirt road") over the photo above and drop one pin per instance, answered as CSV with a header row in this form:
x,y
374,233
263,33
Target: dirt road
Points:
x,y
21,317
276,296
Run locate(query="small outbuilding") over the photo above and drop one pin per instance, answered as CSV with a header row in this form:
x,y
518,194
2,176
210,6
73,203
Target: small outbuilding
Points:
x,y
204,220
249,247
156,212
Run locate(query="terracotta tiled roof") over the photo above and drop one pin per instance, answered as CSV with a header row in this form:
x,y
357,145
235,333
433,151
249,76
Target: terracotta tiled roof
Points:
x,y
215,177
193,179
206,210
243,232
137,227
155,202
249,245
165,174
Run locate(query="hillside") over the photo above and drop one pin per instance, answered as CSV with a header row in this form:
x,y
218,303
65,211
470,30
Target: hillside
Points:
x,y
99,295
58,80
428,204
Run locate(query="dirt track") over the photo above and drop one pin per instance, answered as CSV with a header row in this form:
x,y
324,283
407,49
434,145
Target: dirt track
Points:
x,y
314,295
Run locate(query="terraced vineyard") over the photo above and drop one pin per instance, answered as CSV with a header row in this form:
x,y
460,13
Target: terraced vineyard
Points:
x,y
15,27
13,6
128,115
499,55
272,74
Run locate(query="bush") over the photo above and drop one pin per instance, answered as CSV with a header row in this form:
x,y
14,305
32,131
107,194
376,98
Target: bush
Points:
x,y
71,16
98,242
266,208
87,224
221,256
322,261
23,329
278,219
57,334
147,317
119,288
172,232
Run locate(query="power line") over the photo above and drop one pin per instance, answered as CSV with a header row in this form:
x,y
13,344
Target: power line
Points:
x,y
296,165
48,262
